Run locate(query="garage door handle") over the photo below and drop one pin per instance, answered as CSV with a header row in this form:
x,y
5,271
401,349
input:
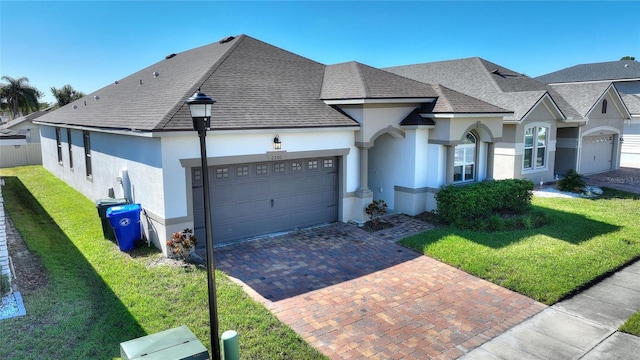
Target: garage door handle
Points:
x,y
271,202
594,158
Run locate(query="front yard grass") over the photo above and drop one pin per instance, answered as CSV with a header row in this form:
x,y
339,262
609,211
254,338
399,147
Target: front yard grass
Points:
x,y
632,325
586,239
97,296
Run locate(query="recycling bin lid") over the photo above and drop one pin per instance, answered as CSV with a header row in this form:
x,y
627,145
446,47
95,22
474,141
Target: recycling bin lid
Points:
x,y
111,201
122,209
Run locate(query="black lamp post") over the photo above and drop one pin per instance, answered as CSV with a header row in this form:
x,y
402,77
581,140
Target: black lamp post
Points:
x,y
200,107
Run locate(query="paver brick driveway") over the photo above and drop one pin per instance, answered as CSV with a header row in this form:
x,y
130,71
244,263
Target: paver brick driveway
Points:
x,y
355,295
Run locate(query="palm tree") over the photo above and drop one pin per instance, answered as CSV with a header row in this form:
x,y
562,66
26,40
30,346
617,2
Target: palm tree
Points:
x,y
66,94
18,96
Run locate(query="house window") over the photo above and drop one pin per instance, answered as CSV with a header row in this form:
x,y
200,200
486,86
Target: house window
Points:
x,y
70,145
87,153
312,164
464,163
59,146
604,106
535,147
296,166
327,163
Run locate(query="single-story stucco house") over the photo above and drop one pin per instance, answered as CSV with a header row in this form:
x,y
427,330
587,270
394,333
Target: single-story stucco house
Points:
x,y
347,134
552,129
20,141
625,75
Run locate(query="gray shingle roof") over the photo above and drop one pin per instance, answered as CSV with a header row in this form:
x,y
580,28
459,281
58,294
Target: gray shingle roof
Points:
x,y
632,101
450,101
582,96
488,82
256,85
353,80
34,115
611,70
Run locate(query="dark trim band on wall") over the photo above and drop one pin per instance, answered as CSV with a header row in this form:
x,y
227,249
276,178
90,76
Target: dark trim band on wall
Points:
x,y
415,191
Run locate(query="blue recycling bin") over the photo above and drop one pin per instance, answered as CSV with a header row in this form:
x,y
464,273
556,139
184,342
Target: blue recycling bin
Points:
x,y
125,220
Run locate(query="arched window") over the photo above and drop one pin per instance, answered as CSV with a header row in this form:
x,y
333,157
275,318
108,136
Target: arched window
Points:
x,y
604,106
464,164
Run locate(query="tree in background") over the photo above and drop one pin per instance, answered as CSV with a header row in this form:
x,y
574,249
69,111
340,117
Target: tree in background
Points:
x,y
66,94
18,96
628,58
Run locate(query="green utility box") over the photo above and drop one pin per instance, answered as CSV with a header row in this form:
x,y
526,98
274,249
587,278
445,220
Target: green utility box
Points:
x,y
173,344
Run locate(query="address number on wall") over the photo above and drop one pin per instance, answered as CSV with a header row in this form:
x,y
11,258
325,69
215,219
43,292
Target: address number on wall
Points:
x,y
276,155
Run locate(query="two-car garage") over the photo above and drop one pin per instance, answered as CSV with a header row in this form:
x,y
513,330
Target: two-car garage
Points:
x,y
258,198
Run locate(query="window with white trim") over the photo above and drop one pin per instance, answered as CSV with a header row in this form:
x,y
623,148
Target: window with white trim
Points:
x,y
464,163
535,147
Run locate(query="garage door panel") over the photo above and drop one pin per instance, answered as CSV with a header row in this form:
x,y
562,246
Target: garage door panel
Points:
x,y
261,198
597,154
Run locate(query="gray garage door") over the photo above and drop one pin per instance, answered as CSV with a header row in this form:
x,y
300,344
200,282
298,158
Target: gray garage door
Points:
x,y
254,199
597,154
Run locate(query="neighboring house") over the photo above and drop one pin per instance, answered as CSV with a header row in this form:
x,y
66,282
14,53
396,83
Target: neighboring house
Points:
x,y
24,150
349,134
552,129
625,75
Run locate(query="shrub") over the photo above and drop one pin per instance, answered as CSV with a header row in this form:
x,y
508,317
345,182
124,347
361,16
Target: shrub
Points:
x,y
460,204
495,223
5,286
181,243
376,209
573,182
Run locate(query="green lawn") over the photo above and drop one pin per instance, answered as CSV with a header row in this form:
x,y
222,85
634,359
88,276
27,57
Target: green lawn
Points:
x,y
632,326
586,240
97,296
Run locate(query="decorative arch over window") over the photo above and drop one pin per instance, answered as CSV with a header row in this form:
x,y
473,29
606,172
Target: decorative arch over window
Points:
x,y
604,106
464,164
535,147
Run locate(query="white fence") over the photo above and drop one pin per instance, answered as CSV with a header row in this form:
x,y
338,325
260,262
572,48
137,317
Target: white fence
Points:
x,y
19,155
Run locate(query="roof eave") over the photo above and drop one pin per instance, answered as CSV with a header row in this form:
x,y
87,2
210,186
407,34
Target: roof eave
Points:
x,y
360,101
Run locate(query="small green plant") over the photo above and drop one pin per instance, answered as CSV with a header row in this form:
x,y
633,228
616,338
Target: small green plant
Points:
x,y
376,209
573,182
495,223
5,286
181,244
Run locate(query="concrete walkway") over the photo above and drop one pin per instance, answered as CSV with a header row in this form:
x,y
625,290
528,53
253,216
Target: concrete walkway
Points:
x,y
582,327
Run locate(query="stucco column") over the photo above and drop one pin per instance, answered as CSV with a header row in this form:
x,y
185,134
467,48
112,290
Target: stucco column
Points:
x,y
451,154
364,170
490,155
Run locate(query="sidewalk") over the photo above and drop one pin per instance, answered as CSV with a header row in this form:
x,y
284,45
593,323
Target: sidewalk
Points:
x,y
582,327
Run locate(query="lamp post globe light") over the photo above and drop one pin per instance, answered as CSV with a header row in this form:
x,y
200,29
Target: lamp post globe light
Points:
x,y
200,108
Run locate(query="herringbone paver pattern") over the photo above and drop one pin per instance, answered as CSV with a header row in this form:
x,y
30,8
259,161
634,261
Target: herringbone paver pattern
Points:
x,y
356,295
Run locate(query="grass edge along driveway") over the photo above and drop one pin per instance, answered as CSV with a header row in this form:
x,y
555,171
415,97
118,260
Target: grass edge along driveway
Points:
x,y
97,296
587,240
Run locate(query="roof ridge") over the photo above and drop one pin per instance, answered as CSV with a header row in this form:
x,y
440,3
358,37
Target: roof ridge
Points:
x,y
441,96
363,80
180,102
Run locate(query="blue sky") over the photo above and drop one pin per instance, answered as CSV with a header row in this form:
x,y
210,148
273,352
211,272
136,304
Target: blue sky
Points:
x,y
90,44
